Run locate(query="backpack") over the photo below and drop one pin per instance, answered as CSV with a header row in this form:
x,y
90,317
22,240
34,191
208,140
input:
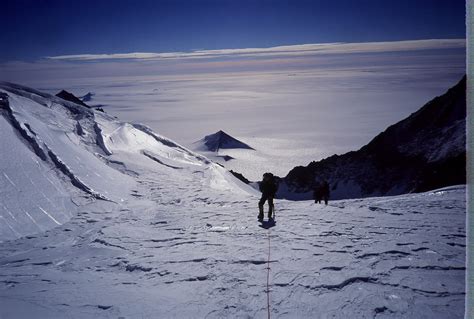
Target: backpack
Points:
x,y
270,184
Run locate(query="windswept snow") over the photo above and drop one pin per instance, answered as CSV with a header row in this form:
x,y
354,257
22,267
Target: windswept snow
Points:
x,y
149,229
32,197
57,154
184,250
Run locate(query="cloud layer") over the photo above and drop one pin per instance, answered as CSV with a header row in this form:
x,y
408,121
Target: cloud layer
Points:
x,y
278,51
294,103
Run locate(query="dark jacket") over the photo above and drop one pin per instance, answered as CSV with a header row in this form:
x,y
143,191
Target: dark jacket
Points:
x,y
269,186
321,190
325,189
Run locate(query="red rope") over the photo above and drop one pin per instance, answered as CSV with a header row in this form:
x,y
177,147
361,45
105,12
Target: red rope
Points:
x,y
268,277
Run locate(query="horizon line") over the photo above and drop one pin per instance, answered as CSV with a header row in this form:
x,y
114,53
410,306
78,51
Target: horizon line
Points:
x,y
280,50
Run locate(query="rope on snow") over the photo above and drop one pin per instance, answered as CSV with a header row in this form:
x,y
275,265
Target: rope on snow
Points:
x,y
268,276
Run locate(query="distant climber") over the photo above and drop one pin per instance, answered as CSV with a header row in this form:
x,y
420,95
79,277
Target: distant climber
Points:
x,y
321,192
325,192
317,193
268,186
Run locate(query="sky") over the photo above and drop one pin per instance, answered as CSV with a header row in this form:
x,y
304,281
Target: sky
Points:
x,y
41,28
297,80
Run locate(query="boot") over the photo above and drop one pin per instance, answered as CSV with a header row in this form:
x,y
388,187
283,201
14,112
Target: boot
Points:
x,y
270,213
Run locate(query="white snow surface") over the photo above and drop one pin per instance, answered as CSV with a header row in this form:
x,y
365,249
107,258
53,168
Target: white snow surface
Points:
x,y
79,152
152,230
32,198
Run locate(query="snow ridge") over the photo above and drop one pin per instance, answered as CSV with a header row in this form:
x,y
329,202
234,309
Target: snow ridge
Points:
x,y
91,151
41,149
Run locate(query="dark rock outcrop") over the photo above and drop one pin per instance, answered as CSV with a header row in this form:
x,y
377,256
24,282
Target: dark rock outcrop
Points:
x,y
427,150
65,95
240,177
221,140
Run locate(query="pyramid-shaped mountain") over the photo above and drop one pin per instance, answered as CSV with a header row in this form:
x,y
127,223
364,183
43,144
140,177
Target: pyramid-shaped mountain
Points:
x,y
65,95
87,97
222,140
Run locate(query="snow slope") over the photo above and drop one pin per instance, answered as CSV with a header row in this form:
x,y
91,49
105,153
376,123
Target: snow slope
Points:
x,y
156,231
202,255
57,154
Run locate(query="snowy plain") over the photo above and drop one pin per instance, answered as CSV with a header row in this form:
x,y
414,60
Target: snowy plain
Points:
x,y
289,118
164,232
290,109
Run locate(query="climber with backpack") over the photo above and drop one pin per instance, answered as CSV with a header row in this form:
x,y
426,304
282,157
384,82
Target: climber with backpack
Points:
x,y
268,186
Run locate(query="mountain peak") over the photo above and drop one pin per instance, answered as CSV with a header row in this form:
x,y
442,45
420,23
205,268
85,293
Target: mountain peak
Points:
x,y
87,97
68,96
222,140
